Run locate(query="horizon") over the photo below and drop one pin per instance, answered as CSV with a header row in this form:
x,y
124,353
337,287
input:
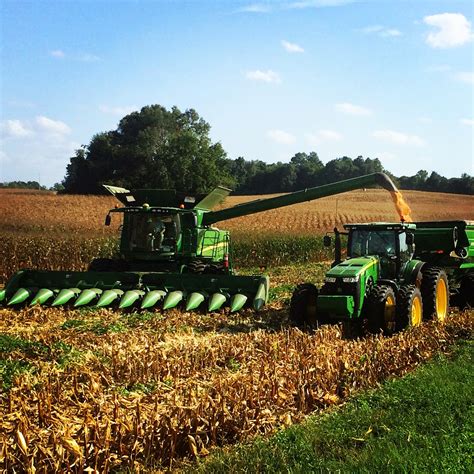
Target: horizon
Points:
x,y
387,80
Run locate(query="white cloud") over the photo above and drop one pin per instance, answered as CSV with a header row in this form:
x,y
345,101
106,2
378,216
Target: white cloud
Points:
x,y
267,7
57,53
469,122
390,32
316,4
292,47
120,111
467,77
452,29
36,146
255,8
83,57
398,138
330,135
381,30
281,137
41,126
87,58
52,126
15,129
352,109
320,136
263,76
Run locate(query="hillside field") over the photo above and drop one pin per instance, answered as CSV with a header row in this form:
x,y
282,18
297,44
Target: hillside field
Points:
x,y
92,390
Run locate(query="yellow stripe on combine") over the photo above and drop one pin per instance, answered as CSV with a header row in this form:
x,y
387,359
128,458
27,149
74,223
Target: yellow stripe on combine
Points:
x,y
212,247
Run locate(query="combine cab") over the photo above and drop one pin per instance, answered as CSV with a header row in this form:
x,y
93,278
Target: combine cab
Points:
x,y
395,275
170,254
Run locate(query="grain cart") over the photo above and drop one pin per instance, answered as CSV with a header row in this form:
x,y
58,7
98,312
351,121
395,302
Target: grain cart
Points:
x,y
170,253
395,275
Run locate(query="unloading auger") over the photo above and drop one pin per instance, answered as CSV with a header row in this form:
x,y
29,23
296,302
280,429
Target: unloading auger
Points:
x,y
170,254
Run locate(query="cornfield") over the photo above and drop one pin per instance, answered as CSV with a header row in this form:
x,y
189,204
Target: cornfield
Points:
x,y
59,232
148,392
96,390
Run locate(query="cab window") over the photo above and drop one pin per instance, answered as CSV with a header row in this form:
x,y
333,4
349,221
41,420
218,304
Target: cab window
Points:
x,y
373,242
153,233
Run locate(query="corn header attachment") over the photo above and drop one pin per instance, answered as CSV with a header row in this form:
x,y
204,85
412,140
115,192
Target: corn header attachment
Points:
x,y
136,289
170,255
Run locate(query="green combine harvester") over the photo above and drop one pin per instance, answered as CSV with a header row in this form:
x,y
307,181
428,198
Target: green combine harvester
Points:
x,y
394,275
170,254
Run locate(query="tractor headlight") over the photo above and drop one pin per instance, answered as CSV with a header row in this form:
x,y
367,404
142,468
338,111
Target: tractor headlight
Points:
x,y
351,279
330,280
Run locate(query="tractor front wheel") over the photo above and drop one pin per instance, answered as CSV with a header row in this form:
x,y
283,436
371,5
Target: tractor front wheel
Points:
x,y
381,310
303,311
435,293
409,307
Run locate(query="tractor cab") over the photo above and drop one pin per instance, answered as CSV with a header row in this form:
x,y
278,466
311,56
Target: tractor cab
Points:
x,y
392,244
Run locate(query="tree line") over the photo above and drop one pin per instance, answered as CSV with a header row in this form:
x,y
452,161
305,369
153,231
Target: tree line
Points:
x,y
171,149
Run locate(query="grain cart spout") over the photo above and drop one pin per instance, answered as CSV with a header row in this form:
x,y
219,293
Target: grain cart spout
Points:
x,y
170,255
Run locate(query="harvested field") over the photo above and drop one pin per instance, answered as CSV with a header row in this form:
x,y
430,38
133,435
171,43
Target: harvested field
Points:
x,y
97,390
102,390
34,211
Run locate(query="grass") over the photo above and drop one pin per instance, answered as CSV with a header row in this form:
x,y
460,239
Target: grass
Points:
x,y
423,422
9,369
19,355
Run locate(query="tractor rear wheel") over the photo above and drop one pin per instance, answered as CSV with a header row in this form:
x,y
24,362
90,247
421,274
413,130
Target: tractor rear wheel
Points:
x,y
409,307
435,293
466,291
381,310
303,311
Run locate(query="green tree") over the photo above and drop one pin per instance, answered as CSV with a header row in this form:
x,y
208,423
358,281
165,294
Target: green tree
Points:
x,y
156,148
308,167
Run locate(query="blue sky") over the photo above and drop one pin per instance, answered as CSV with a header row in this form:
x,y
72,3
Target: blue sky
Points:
x,y
388,79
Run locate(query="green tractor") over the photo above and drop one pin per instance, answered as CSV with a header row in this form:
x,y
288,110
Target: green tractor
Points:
x,y
171,254
394,275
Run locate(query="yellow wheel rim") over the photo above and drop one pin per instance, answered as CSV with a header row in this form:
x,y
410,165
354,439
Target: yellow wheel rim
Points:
x,y
416,311
441,300
389,313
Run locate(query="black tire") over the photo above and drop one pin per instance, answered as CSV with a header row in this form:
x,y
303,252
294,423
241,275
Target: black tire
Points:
x,y
216,268
380,310
197,266
466,291
303,311
435,293
409,307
